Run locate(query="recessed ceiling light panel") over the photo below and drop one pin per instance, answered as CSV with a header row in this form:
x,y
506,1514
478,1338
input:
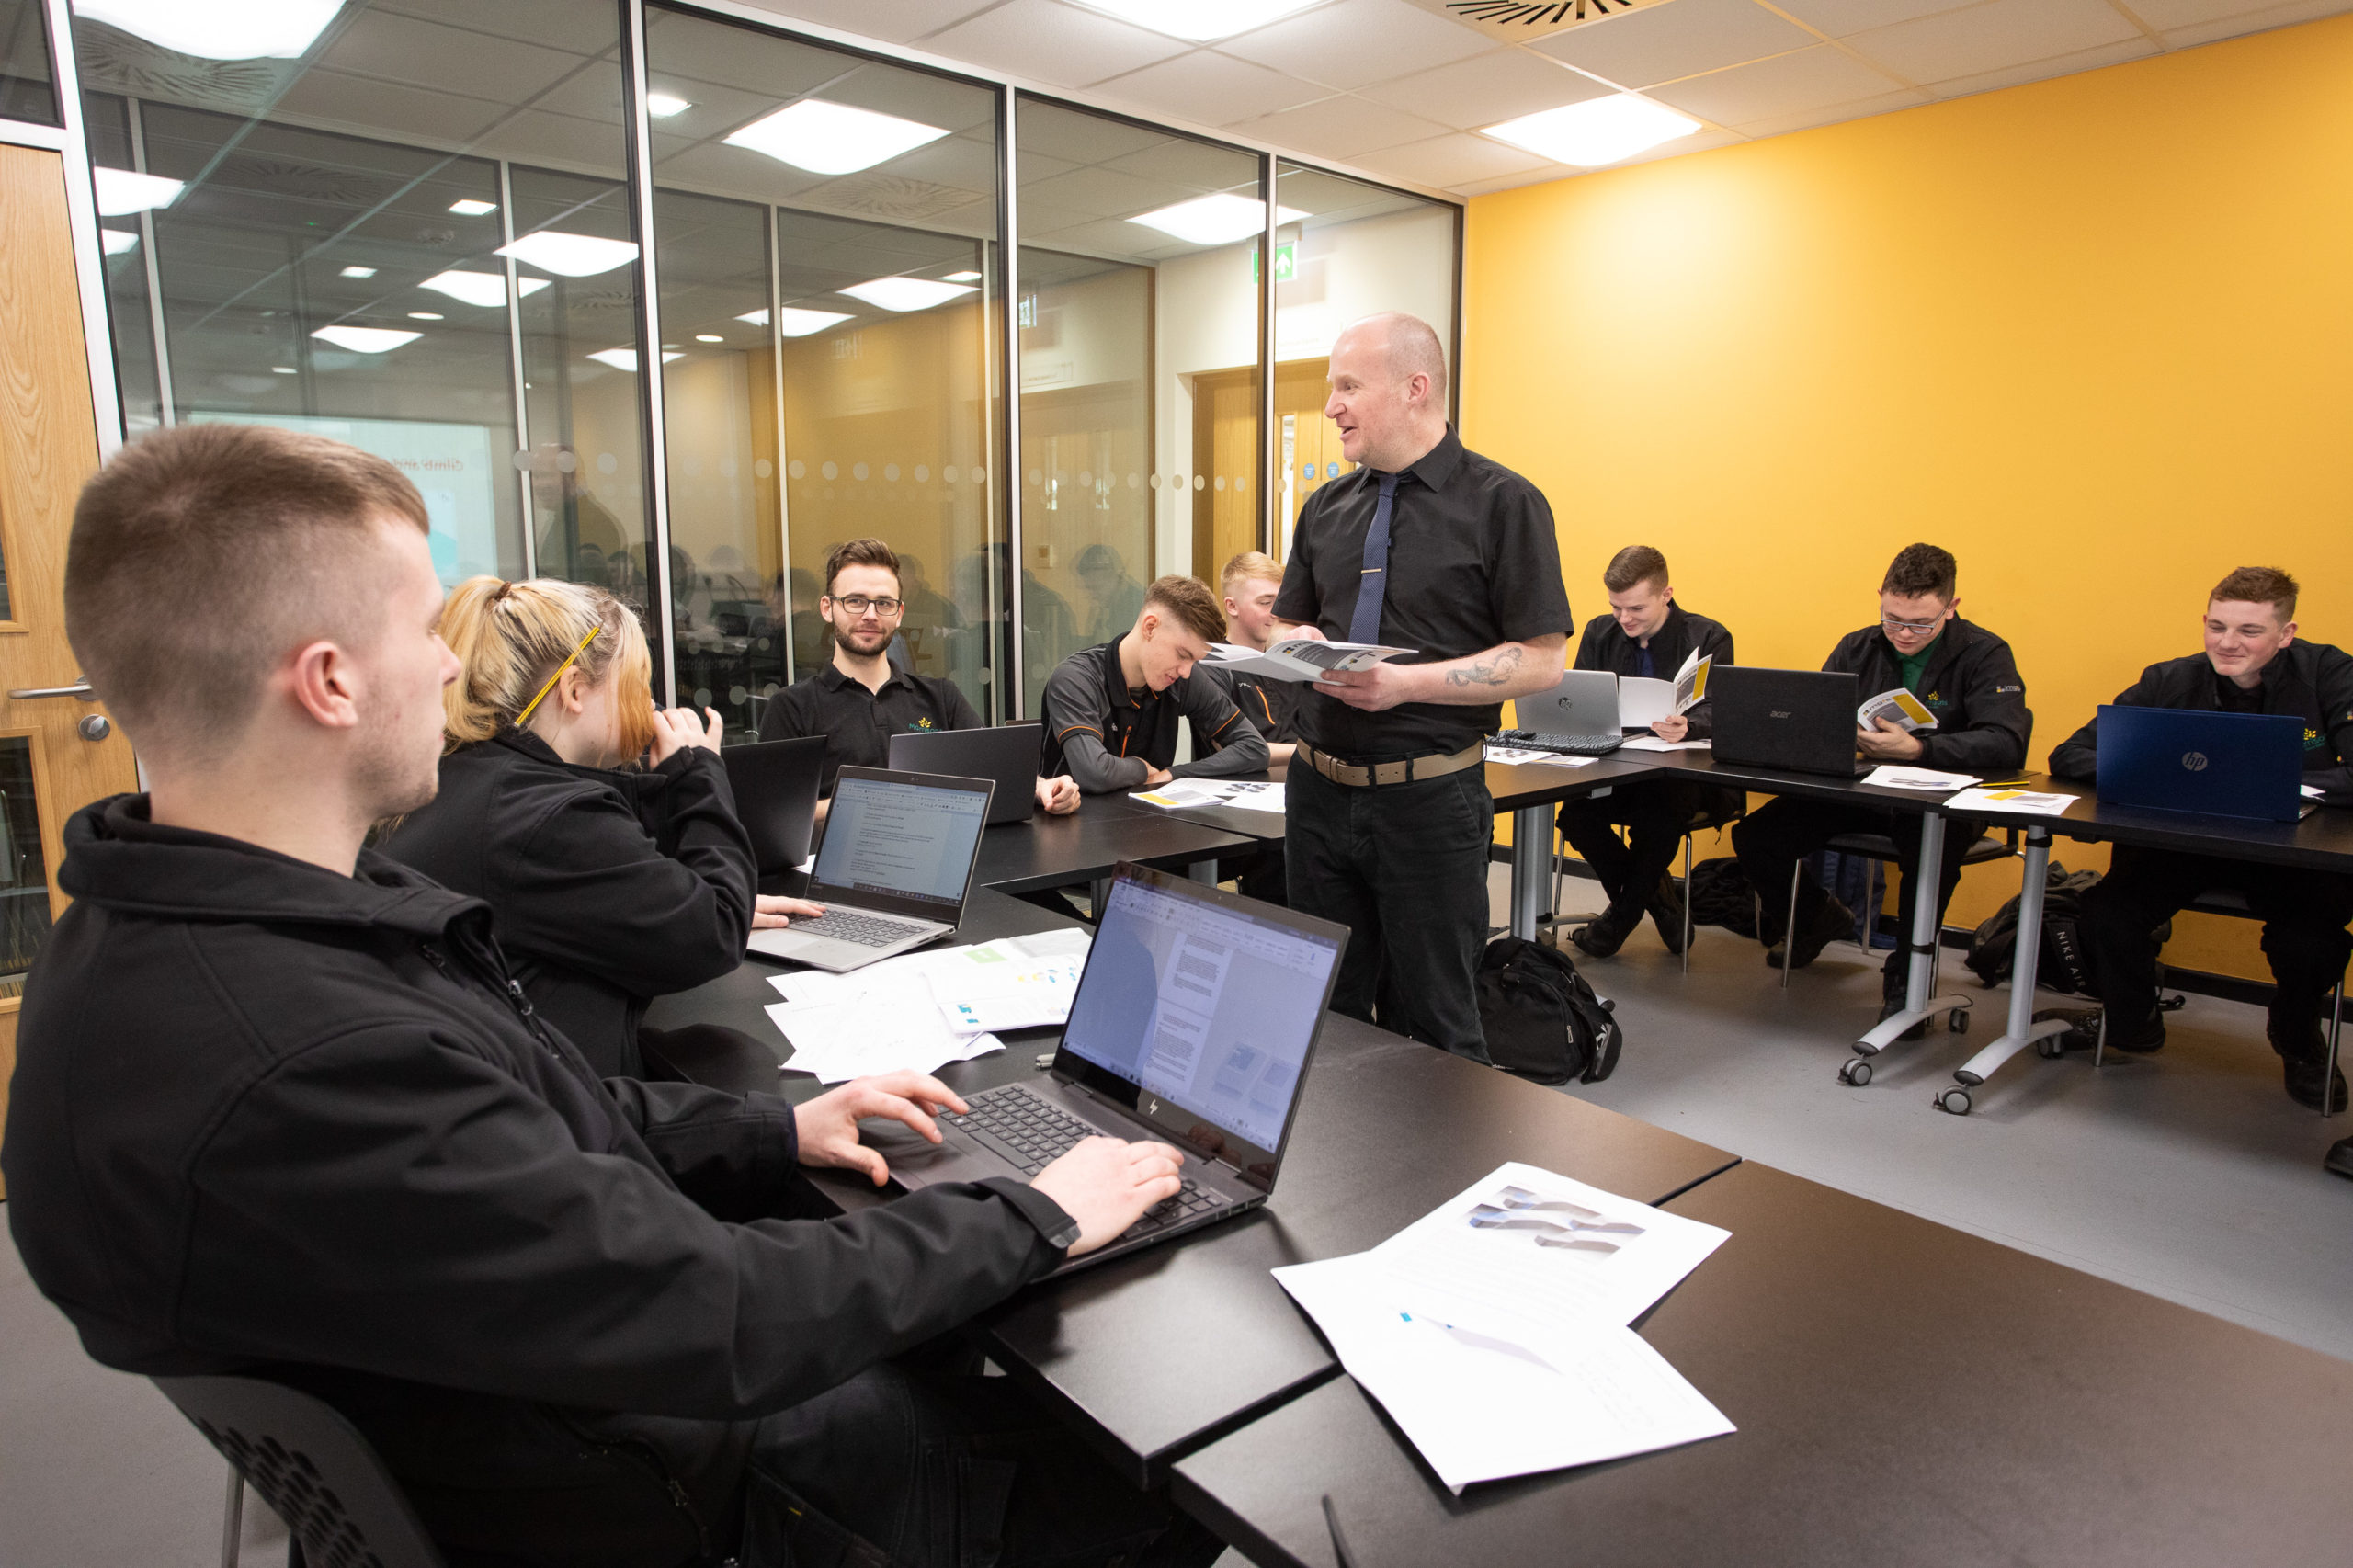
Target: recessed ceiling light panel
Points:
x,y
662,106
366,339
120,192
358,272
219,30
1597,131
470,208
626,358
832,139
906,293
1202,19
571,256
1215,219
480,288
117,241
795,322
961,277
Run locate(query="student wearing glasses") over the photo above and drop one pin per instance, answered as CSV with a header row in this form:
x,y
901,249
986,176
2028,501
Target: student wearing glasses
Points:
x,y
1968,682
611,879
857,699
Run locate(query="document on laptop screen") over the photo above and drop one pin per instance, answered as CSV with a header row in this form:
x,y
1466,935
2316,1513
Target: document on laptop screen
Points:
x,y
1202,1004
910,839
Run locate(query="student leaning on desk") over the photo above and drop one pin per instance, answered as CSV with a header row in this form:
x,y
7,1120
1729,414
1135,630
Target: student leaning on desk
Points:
x,y
281,1110
1111,711
1968,682
2253,663
609,883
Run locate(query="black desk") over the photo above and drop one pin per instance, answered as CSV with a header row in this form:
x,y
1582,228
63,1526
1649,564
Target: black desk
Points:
x,y
1054,852
1906,1393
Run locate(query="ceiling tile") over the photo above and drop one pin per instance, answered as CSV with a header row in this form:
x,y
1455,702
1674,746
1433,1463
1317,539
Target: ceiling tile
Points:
x,y
2134,48
1199,166
1449,160
1512,182
1358,41
1831,114
1064,133
1992,37
895,21
1339,128
1487,90
1660,43
2167,15
1050,42
2182,36
1210,89
398,49
358,103
1811,78
1836,19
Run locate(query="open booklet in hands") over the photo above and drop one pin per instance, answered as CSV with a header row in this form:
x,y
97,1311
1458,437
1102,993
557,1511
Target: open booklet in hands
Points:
x,y
1899,707
1643,701
1298,658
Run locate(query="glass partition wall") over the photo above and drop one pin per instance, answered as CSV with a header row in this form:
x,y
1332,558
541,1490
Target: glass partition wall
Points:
x,y
415,228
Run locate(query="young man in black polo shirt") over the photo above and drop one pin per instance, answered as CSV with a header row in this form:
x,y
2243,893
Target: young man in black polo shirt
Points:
x,y
2253,663
1429,546
1966,677
1646,633
1111,709
1249,585
859,700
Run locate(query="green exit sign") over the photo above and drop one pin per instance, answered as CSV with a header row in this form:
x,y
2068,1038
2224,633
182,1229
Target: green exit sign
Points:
x,y
1285,263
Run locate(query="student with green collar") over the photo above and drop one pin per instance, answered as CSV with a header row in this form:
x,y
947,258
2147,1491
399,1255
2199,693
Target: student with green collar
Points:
x,y
1967,679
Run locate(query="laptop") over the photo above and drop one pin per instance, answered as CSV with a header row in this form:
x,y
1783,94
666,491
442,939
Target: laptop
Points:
x,y
1007,754
1193,1024
2222,765
775,784
893,869
1577,717
1800,720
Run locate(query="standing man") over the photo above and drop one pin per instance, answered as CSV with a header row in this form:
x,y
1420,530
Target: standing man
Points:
x,y
1646,633
1429,546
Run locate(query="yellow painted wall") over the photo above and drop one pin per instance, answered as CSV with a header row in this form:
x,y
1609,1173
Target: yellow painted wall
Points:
x,y
2094,334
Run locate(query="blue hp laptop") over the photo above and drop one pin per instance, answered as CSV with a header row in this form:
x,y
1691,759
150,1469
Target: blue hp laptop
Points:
x,y
2220,764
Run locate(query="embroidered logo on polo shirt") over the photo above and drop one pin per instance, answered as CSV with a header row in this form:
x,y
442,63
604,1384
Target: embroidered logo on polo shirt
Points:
x,y
921,724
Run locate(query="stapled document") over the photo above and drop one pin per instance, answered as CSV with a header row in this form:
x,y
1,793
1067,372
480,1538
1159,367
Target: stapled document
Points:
x,y
1522,756
1252,795
1899,707
2040,803
1643,701
1299,658
1889,776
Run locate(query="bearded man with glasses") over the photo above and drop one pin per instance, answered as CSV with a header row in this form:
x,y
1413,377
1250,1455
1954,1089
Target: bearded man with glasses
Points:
x,y
1968,682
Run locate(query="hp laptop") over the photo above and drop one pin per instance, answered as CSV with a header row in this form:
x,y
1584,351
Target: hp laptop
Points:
x,y
1192,1025
1801,720
2222,765
1007,754
1577,717
892,870
775,784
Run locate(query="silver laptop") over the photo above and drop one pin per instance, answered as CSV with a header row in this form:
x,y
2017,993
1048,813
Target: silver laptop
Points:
x,y
1192,1025
892,870
1584,703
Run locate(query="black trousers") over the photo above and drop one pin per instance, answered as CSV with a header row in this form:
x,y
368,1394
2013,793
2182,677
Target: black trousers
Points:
x,y
1404,867
1656,815
903,1466
2304,914
1787,828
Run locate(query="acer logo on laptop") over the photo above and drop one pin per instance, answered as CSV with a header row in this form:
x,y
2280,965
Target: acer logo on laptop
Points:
x,y
1777,713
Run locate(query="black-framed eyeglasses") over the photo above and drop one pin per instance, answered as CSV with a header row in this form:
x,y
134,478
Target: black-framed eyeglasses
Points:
x,y
859,604
1917,628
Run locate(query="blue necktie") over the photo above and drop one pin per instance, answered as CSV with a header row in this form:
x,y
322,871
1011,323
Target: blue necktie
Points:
x,y
1365,625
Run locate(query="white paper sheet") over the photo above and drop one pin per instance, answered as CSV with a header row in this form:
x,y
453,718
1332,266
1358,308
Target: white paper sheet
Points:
x,y
1888,775
890,1015
880,1032
1255,795
2040,803
1521,755
1651,743
1643,700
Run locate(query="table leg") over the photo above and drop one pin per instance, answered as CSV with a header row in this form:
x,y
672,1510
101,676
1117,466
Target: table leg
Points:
x,y
1203,872
1920,976
2022,1030
1531,846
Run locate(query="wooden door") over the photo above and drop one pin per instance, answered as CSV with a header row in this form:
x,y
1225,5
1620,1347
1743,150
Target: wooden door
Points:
x,y
1307,448
57,752
1225,467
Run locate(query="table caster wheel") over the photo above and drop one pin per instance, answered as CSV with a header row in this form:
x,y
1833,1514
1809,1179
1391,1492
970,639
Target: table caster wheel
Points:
x,y
1856,1072
1958,1020
1953,1102
2048,1047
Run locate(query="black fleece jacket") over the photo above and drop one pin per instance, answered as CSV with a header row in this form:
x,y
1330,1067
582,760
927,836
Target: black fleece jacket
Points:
x,y
2312,681
1971,684
608,887
271,1120
1606,646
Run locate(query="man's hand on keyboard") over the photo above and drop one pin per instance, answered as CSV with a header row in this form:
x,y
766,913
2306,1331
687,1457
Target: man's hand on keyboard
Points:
x,y
1105,1184
828,1125
771,911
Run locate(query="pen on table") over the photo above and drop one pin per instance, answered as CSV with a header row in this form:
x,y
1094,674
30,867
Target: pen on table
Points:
x,y
1339,1541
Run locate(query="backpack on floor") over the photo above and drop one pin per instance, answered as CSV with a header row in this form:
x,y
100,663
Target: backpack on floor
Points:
x,y
1542,1020
2062,964
1721,896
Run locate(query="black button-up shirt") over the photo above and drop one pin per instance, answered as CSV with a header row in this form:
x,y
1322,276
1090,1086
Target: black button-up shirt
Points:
x,y
857,725
1473,562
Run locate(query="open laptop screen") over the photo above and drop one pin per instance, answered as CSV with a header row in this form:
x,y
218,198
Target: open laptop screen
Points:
x,y
908,842
1196,999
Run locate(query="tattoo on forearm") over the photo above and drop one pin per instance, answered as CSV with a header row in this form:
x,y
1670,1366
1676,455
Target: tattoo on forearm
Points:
x,y
1490,672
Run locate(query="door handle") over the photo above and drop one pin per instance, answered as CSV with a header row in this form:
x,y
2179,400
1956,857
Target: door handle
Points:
x,y
81,688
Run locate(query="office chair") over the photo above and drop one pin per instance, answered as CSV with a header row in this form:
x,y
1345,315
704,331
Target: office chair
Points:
x,y
1880,849
343,1508
2233,906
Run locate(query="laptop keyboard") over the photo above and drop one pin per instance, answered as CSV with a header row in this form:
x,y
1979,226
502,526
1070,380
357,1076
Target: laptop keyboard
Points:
x,y
866,930
1562,746
1041,1133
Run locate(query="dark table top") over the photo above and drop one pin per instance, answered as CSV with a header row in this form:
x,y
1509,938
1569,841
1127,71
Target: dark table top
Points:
x,y
1906,1393
1053,852
1514,787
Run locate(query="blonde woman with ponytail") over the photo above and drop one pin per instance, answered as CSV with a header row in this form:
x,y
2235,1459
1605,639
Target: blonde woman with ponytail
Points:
x,y
600,830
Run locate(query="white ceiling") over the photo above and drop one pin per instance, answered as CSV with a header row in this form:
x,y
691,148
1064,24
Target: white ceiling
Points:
x,y
1392,89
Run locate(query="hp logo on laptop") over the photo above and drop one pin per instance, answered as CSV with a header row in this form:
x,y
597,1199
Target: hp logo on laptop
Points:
x,y
2194,761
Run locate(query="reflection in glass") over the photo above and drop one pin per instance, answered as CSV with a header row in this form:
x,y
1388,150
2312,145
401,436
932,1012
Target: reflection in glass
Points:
x,y
24,869
1140,381
823,227
28,90
1353,250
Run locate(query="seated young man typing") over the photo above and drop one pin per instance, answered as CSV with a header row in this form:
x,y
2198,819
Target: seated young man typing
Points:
x,y
1111,709
1968,680
858,701
281,1110
2253,663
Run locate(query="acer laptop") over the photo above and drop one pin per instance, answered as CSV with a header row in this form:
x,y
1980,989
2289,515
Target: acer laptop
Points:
x,y
1007,755
775,784
1800,720
2221,765
893,869
1193,1024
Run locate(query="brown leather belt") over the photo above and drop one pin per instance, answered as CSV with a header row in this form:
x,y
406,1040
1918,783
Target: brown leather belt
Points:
x,y
1409,770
